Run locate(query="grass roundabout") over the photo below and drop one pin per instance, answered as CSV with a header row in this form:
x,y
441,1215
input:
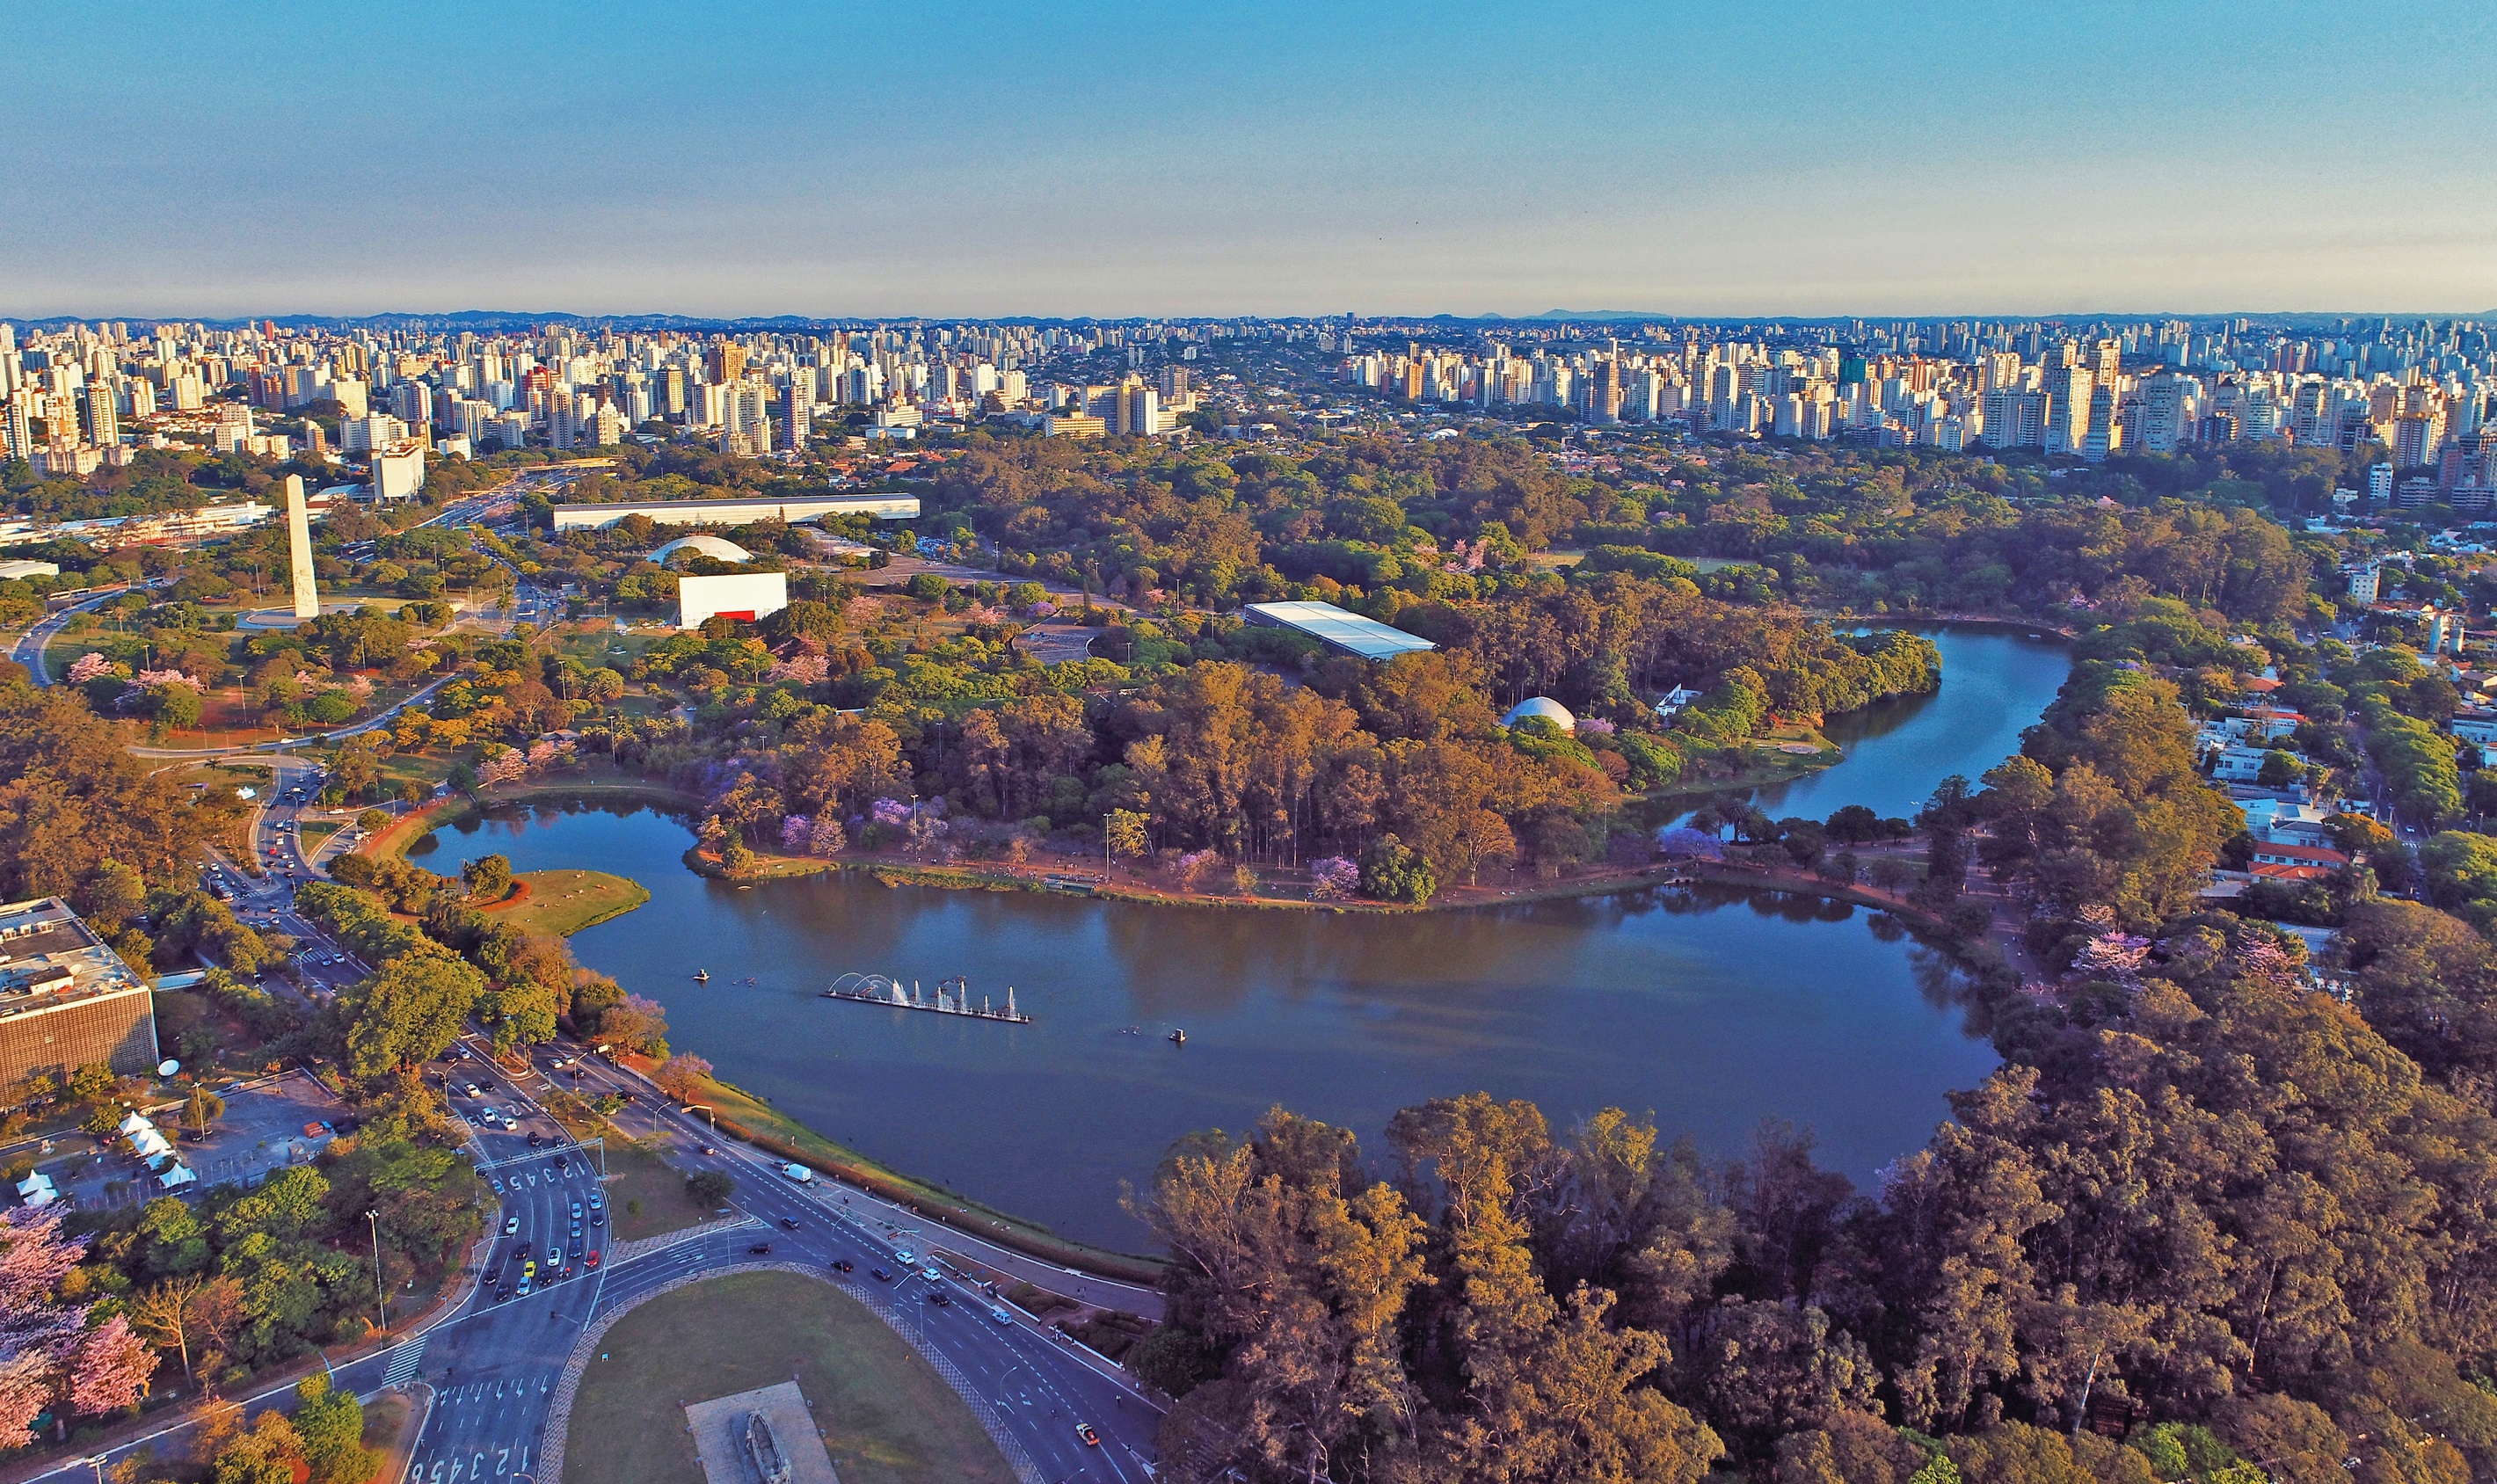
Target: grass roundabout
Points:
x,y
887,1417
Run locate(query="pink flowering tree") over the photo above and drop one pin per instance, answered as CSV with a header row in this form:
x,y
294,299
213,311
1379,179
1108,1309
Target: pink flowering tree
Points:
x,y
2264,958
890,811
2116,957
110,1368
1334,879
1189,869
86,667
825,837
795,831
503,767
167,678
48,1354
801,670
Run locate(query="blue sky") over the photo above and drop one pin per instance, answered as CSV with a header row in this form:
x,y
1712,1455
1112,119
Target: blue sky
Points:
x,y
832,159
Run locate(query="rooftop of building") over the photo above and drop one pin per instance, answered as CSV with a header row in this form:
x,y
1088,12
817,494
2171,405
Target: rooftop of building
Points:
x,y
1543,707
719,546
1350,632
49,957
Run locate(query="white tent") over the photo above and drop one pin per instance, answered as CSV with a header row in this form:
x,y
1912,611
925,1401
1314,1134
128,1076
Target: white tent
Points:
x,y
135,1122
150,1143
37,1190
178,1175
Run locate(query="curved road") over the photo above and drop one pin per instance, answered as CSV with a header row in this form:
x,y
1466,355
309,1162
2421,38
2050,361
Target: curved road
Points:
x,y
494,1365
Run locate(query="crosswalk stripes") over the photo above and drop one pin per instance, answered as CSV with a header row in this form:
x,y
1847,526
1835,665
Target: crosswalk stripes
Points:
x,y
404,1362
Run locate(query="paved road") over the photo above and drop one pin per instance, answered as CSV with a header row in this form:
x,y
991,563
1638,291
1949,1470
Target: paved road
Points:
x,y
495,1367
689,1133
29,649
494,1364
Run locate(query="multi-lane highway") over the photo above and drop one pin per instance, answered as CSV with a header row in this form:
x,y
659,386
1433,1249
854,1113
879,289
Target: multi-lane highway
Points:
x,y
494,1364
495,1367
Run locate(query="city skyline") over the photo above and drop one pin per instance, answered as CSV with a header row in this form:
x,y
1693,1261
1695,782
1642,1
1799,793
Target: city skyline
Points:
x,y
745,162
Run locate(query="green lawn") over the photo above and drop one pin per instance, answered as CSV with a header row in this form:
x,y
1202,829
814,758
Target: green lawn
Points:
x,y
887,1417
646,1195
562,902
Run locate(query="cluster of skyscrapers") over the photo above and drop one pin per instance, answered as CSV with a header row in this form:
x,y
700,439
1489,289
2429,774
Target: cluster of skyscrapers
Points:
x,y
2421,390
79,395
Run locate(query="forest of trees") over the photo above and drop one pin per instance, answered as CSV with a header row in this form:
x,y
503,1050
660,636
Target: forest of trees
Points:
x,y
91,1308
2207,1222
1217,755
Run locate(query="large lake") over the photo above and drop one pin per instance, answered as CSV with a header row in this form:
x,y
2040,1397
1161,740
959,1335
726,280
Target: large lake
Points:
x,y
1710,1011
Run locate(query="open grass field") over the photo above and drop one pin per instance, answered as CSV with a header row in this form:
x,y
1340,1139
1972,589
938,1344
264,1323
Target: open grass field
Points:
x,y
646,1195
562,902
887,1417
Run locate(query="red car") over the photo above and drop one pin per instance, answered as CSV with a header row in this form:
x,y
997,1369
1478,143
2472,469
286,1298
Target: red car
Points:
x,y
591,1260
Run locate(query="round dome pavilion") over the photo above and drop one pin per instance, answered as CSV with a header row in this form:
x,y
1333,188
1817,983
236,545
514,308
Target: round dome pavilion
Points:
x,y
1544,707
717,547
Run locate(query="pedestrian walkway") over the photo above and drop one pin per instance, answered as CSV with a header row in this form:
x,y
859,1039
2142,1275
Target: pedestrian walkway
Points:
x,y
404,1362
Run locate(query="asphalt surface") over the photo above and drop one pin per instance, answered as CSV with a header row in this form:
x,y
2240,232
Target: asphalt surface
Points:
x,y
29,649
493,1365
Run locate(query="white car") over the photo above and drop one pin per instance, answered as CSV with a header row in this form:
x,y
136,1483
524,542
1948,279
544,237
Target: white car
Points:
x,y
799,1173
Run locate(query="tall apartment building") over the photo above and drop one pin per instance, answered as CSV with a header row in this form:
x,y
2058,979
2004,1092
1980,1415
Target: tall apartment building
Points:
x,y
2067,408
102,414
2163,413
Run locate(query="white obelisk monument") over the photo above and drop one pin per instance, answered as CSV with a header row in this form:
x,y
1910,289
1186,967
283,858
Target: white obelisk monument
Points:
x,y
299,543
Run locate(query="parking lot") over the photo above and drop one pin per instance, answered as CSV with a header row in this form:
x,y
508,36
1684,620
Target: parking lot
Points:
x,y
263,1130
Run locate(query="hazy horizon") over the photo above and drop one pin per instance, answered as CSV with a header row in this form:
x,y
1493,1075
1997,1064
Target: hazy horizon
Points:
x,y
837,162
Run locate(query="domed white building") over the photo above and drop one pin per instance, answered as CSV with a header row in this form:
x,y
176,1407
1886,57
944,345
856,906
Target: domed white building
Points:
x,y
1544,707
717,547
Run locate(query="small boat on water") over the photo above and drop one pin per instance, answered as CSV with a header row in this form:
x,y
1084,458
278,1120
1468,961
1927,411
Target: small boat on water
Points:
x,y
702,977
1179,1038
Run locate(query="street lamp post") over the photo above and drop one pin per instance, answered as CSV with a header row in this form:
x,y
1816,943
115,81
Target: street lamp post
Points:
x,y
381,1291
95,1463
706,1116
